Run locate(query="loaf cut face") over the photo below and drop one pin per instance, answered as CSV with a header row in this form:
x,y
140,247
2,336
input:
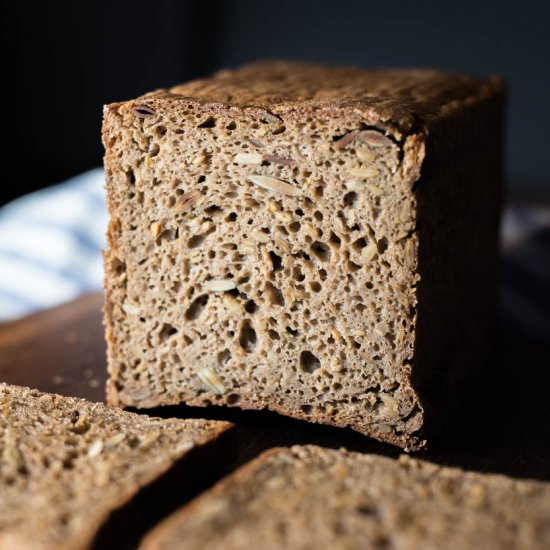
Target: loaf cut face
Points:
x,y
66,464
310,497
268,241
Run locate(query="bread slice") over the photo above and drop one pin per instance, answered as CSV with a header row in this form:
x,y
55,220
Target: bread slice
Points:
x,y
318,241
310,497
66,464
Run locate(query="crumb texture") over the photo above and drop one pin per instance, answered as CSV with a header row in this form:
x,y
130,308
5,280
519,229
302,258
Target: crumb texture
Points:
x,y
263,245
66,463
309,497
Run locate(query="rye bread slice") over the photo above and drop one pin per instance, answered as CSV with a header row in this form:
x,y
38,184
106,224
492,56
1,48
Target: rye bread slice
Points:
x,y
311,498
66,464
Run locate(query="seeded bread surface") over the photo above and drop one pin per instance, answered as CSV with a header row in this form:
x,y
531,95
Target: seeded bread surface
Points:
x,y
310,497
66,464
303,238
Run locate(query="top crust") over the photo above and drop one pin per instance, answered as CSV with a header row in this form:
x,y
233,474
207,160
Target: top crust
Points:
x,y
401,100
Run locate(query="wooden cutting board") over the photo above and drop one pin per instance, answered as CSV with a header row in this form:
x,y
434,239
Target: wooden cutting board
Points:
x,y
506,419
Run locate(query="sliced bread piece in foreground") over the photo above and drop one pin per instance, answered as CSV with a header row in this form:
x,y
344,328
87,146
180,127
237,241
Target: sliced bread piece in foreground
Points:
x,y
310,497
66,464
318,241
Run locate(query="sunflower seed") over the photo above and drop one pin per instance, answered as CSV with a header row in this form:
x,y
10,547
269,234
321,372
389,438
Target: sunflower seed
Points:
x,y
374,138
364,172
220,285
369,252
374,189
212,381
279,160
130,309
259,236
155,229
95,448
143,111
247,158
187,200
274,184
345,140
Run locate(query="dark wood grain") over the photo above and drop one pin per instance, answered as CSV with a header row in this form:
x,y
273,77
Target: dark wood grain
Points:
x,y
502,425
59,350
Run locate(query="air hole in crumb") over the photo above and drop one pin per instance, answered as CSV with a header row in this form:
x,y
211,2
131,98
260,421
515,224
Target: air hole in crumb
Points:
x,y
282,230
210,122
318,215
119,266
323,274
335,239
382,245
321,251
273,334
233,398
295,227
278,130
231,126
130,177
231,217
223,357
353,266
306,409
250,306
319,191
187,340
247,337
291,331
195,241
308,362
201,179
196,308
166,331
276,261
315,286
299,212
160,130
211,210
297,273
274,294
350,198
359,244
154,150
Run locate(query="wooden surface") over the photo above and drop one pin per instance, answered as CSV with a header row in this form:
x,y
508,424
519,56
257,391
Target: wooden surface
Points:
x,y
504,422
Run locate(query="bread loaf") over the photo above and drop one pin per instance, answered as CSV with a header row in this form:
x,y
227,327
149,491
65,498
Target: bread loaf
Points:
x,y
310,497
66,464
318,241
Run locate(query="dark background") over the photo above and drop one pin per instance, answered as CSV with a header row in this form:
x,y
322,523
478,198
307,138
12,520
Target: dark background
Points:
x,y
64,60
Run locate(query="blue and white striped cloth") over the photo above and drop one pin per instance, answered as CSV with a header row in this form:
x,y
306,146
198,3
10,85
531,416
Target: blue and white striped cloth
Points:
x,y
50,245
51,241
